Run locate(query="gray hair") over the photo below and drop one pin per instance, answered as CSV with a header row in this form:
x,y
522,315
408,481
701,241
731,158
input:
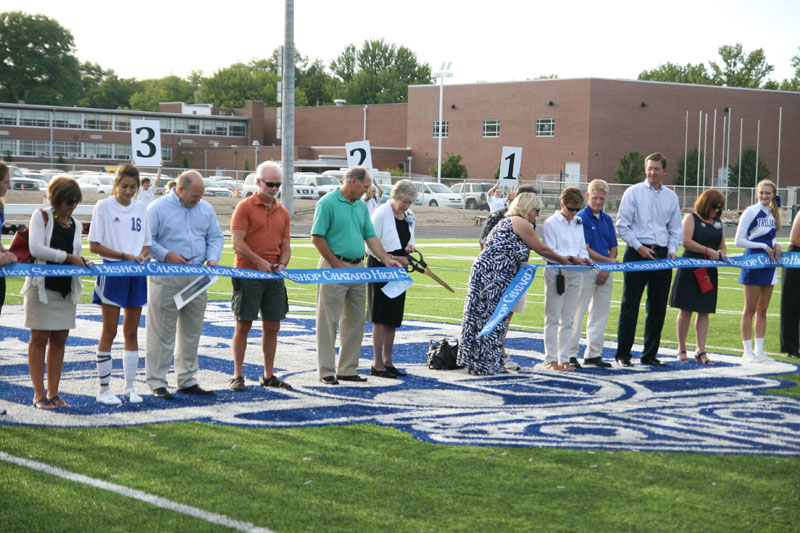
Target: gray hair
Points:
x,y
404,190
356,173
265,165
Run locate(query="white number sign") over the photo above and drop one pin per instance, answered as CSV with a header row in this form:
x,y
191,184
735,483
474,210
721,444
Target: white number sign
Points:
x,y
146,142
358,154
509,167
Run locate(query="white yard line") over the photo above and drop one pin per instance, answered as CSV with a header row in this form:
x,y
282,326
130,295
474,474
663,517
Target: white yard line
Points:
x,y
214,518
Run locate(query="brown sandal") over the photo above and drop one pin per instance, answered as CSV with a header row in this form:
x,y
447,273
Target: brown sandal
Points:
x,y
682,357
43,403
58,402
703,359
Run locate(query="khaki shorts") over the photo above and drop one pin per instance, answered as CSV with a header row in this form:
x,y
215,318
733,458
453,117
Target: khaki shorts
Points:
x,y
251,296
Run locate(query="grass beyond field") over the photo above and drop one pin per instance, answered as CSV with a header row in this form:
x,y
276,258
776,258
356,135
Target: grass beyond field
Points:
x,y
372,478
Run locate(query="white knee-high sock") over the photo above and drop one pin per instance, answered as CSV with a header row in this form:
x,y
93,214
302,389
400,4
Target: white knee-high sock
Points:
x,y
104,369
130,364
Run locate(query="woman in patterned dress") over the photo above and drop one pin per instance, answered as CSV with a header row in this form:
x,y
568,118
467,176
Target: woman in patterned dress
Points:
x,y
507,249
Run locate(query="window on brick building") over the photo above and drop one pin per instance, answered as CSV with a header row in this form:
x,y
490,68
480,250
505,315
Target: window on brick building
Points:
x,y
445,129
491,128
545,127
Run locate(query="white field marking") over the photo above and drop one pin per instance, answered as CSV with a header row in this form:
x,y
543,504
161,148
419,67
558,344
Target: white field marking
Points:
x,y
214,518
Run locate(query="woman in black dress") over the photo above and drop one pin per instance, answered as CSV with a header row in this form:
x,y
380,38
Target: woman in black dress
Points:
x,y
704,238
394,227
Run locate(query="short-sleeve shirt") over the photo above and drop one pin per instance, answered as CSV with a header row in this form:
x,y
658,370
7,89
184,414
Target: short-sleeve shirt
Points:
x,y
598,231
123,228
343,224
266,229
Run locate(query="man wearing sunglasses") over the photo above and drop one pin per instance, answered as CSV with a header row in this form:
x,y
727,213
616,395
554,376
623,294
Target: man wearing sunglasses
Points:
x,y
340,228
649,221
260,230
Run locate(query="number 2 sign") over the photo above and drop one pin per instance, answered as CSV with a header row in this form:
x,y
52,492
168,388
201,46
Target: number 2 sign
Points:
x,y
146,142
358,154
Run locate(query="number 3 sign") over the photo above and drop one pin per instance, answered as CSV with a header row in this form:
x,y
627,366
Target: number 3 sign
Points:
x,y
146,142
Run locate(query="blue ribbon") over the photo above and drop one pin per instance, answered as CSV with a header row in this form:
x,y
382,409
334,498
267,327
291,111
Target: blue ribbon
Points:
x,y
524,277
132,268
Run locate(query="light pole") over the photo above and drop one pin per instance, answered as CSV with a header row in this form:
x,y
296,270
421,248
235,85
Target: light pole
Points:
x,y
444,72
256,145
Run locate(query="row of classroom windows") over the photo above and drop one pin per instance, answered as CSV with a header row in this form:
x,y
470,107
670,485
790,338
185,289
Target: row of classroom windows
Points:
x,y
71,150
106,122
545,127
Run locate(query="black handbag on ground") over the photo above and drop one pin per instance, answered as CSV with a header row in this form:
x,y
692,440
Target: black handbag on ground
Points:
x,y
442,355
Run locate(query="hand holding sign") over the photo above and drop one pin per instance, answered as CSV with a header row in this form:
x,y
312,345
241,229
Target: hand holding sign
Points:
x,y
146,142
358,154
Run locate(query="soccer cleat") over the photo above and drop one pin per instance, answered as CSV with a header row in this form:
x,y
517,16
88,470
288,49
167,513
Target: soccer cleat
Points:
x,y
108,398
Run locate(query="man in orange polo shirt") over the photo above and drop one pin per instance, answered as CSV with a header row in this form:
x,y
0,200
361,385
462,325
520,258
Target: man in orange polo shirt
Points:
x,y
260,231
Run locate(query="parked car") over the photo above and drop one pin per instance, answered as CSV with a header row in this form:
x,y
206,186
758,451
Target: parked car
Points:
x,y
435,194
302,191
473,194
323,183
103,183
27,184
229,183
212,189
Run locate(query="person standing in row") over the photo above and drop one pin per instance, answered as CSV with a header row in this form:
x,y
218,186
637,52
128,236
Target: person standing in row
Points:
x,y
340,228
260,230
51,302
185,231
758,227
790,298
6,257
649,221
563,233
703,238
120,232
394,227
596,286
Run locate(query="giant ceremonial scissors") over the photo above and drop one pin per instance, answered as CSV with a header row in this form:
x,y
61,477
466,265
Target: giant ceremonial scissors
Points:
x,y
419,265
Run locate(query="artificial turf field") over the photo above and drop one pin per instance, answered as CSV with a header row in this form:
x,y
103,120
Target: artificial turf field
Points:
x,y
366,477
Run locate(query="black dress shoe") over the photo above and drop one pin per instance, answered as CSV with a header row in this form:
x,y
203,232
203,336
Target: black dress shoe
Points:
x,y
329,380
162,393
596,361
651,361
400,373
354,377
623,361
574,362
196,390
789,354
385,373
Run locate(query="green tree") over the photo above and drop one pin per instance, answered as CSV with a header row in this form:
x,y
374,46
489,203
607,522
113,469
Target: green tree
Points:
x,y
256,80
739,69
246,167
37,61
185,161
104,89
452,167
61,163
793,84
691,169
167,89
378,73
678,74
630,168
749,169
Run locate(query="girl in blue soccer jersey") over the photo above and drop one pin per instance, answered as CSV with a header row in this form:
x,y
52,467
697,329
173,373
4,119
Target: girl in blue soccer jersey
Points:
x,y
120,232
756,233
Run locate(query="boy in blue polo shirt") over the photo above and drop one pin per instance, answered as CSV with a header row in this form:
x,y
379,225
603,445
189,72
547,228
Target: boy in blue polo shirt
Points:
x,y
597,285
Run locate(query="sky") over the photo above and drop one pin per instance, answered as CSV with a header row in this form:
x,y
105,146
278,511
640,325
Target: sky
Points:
x,y
502,40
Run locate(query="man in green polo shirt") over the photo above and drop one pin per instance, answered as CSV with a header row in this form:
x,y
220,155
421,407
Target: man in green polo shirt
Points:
x,y
341,226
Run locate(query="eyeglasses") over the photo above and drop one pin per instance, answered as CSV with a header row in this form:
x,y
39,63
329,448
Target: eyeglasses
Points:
x,y
718,207
573,209
270,183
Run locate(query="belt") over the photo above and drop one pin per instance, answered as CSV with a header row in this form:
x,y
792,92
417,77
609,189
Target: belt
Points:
x,y
351,261
655,246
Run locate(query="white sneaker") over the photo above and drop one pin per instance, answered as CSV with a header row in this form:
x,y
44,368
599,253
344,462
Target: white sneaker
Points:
x,y
509,364
108,398
132,396
763,358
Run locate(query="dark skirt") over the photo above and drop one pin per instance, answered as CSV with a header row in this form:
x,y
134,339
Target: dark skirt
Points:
x,y
380,308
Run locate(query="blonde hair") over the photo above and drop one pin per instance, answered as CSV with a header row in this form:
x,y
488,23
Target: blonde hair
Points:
x,y
524,203
773,205
598,185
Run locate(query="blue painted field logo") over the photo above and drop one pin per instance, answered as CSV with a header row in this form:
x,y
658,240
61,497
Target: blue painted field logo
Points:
x,y
719,409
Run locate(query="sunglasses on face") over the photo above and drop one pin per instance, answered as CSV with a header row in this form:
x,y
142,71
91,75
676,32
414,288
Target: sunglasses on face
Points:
x,y
270,183
718,207
573,209
70,203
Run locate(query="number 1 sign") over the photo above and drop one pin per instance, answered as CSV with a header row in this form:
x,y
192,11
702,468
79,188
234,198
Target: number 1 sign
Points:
x,y
509,167
146,142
